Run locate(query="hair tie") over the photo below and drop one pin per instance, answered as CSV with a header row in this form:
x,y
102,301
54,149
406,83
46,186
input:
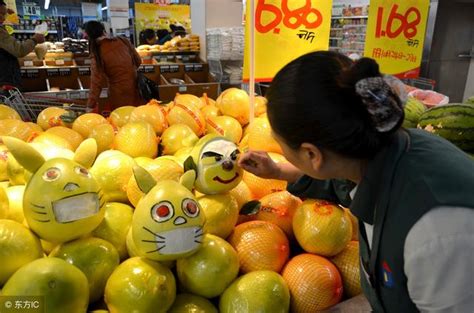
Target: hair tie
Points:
x,y
382,103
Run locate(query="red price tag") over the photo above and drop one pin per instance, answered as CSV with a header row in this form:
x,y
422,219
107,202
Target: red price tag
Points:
x,y
398,23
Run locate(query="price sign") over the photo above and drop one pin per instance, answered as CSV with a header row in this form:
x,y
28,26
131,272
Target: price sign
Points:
x,y
285,30
395,35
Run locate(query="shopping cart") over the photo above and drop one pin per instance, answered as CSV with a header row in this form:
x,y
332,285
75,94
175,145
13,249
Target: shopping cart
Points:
x,y
420,83
29,105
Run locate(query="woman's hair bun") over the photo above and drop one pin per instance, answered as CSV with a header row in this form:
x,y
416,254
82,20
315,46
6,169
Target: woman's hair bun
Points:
x,y
362,68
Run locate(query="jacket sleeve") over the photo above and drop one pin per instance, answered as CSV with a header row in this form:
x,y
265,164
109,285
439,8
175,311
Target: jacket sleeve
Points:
x,y
333,190
97,83
15,47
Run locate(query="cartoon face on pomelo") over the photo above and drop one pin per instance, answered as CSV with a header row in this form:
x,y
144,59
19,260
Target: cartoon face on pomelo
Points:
x,y
214,159
62,200
167,223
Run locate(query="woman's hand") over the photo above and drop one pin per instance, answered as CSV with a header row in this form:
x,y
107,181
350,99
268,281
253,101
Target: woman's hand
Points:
x,y
260,164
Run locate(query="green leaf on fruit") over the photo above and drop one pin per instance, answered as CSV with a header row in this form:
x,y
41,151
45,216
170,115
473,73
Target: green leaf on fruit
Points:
x,y
250,208
189,165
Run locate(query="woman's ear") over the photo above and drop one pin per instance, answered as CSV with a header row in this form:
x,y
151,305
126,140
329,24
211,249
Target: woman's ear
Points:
x,y
312,155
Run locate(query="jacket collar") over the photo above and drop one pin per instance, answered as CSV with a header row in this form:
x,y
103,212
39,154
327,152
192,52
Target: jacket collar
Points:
x,y
375,183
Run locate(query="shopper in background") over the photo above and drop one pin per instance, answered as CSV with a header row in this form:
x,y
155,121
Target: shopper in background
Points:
x,y
338,123
148,37
12,49
114,65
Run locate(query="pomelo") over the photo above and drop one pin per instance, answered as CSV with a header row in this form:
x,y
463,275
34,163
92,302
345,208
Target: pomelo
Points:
x,y
50,117
86,122
15,203
221,213
211,269
355,225
3,163
235,102
259,291
35,127
260,136
189,303
15,128
260,105
137,139
322,227
140,285
113,173
315,283
51,139
177,136
104,135
18,247
115,225
95,257
121,115
348,264
186,99
71,136
152,114
225,126
63,286
207,101
279,208
4,203
260,245
8,113
188,114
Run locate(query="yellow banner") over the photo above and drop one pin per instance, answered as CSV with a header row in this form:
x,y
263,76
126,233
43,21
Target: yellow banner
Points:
x,y
285,30
395,35
12,18
155,16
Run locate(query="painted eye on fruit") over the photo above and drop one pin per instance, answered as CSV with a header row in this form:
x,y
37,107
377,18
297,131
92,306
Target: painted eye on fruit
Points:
x,y
52,174
81,171
234,155
190,208
162,211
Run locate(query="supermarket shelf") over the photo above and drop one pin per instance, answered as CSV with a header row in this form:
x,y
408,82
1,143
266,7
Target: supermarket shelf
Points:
x,y
31,31
349,17
336,38
354,25
336,28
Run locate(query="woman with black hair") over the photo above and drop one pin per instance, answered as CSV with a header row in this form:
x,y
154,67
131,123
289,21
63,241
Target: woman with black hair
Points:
x,y
148,37
339,124
114,65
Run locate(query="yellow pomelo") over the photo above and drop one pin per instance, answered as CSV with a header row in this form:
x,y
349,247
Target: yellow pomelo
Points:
x,y
235,102
113,173
86,122
189,303
95,257
347,262
18,246
8,113
73,137
152,114
51,151
187,99
176,137
210,111
259,291
355,225
121,116
160,169
207,101
225,126
63,286
244,143
48,246
221,211
108,153
322,227
50,117
51,139
104,135
115,225
15,201
4,203
260,105
140,285
3,162
182,154
260,136
35,127
242,194
15,128
211,269
15,172
188,114
314,282
137,139
261,187
131,248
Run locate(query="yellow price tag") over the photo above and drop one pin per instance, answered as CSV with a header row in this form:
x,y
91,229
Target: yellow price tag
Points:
x,y
285,30
10,30
395,35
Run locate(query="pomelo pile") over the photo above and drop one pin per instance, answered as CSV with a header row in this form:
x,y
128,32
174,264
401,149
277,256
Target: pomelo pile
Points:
x,y
264,250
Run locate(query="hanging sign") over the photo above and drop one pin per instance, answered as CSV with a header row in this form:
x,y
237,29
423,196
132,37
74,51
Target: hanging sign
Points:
x,y
395,35
285,30
158,16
